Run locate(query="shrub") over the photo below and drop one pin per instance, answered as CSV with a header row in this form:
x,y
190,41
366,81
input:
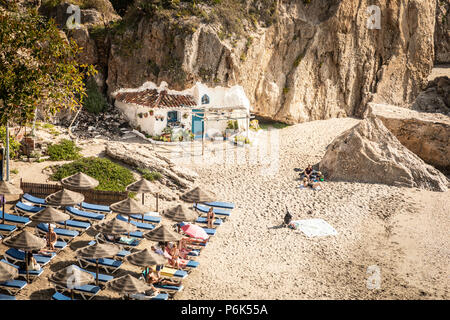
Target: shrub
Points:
x,y
64,150
112,176
149,175
95,102
14,145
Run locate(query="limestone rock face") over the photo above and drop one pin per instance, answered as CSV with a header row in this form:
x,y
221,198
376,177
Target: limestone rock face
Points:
x,y
425,134
317,61
442,33
369,152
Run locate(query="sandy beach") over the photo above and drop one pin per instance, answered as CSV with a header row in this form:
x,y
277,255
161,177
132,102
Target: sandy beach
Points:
x,y
403,232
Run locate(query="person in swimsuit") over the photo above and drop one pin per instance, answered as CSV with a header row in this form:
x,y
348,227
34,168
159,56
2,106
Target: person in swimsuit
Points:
x,y
308,171
153,278
309,183
210,217
51,238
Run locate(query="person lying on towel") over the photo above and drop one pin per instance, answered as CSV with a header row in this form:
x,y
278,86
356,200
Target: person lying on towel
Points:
x,y
154,279
312,184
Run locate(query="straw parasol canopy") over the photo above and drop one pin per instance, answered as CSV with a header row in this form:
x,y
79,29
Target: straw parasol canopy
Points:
x,y
127,285
163,233
7,188
98,251
128,207
198,195
114,227
50,215
144,186
180,213
70,277
25,241
64,197
7,272
80,181
145,258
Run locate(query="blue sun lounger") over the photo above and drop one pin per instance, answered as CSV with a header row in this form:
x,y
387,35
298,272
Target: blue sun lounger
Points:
x,y
14,256
60,297
109,265
210,232
42,228
101,277
60,244
142,296
218,204
85,215
147,218
95,207
34,200
87,291
14,219
217,211
139,225
217,222
7,228
23,273
22,208
6,297
121,254
13,286
80,225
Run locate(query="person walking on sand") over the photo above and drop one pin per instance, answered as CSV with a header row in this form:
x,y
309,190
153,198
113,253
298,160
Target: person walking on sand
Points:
x,y
210,217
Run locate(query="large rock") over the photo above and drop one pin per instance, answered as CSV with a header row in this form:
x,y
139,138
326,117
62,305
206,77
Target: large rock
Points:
x,y
316,61
370,153
425,134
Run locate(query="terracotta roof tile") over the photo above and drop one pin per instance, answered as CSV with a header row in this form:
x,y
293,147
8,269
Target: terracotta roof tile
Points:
x,y
151,98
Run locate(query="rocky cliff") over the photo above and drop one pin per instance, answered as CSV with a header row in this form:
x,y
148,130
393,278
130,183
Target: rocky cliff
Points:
x,y
314,61
298,60
442,32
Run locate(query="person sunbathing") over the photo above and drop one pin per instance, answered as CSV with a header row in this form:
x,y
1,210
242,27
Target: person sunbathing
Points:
x,y
154,278
312,184
174,254
51,238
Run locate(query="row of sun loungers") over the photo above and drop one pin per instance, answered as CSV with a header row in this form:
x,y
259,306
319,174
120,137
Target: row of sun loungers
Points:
x,y
84,216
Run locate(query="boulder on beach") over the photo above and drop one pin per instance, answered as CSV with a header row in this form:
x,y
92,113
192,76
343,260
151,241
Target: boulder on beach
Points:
x,y
425,134
370,153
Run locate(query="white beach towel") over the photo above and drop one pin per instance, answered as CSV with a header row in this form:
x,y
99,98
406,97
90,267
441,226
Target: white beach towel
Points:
x,y
314,227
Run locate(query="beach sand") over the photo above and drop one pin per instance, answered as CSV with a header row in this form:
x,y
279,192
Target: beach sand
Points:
x,y
401,232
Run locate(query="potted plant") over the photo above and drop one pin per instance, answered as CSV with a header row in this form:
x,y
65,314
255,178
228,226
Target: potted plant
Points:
x,y
146,115
185,115
140,115
151,112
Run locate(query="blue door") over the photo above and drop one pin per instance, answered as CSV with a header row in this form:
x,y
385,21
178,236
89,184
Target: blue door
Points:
x,y
197,123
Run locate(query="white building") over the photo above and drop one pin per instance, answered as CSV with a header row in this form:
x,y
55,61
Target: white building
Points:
x,y
200,109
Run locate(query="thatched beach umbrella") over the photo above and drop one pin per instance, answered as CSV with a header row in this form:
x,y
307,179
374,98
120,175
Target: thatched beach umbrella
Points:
x,y
144,186
129,207
97,251
180,213
64,198
25,241
163,233
71,277
197,195
7,188
114,227
50,215
79,181
127,285
145,258
7,272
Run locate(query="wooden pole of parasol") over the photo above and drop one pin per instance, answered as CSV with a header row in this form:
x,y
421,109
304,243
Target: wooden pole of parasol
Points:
x,y
96,277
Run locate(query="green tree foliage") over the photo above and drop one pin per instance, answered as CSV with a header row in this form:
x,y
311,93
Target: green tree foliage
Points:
x,y
38,67
112,177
